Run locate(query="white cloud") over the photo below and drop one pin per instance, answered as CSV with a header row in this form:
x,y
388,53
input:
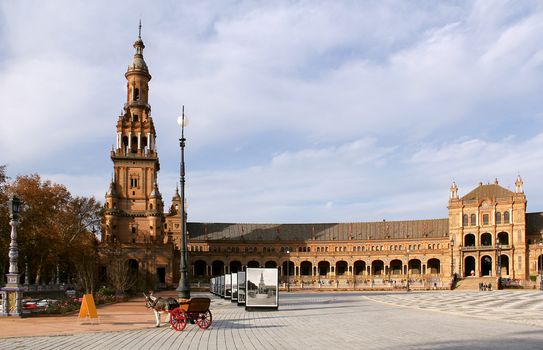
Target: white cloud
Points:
x,y
329,184
82,185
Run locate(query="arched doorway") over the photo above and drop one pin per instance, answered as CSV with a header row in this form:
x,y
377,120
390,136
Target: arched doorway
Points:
x,y
359,267
486,239
253,263
469,266
200,268
504,265
414,267
133,267
290,269
235,266
434,266
305,268
486,266
341,268
270,264
323,267
217,268
396,267
377,267
469,240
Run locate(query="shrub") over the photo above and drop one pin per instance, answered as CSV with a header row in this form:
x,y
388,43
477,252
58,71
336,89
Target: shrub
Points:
x,y
105,291
63,306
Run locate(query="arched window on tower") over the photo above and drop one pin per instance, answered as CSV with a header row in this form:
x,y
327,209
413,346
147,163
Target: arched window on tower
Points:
x,y
465,220
473,220
134,144
136,94
125,143
498,218
506,217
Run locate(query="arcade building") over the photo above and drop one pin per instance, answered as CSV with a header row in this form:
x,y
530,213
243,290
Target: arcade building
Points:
x,y
488,232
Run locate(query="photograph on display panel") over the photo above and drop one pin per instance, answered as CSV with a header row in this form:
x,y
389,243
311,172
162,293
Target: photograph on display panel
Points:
x,y
235,287
262,287
241,287
228,286
221,286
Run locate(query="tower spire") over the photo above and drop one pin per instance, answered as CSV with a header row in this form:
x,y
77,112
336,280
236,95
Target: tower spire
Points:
x,y
139,33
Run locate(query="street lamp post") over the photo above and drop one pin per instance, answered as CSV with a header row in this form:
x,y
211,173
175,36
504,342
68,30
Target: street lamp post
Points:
x,y
408,270
452,258
288,270
183,289
540,264
12,292
498,264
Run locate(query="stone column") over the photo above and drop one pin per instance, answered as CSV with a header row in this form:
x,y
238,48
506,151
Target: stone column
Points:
x,y
12,293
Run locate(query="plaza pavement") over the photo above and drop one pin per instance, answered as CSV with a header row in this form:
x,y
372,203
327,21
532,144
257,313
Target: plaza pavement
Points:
x,y
415,320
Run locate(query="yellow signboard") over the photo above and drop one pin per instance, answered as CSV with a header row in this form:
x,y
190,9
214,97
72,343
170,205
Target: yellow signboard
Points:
x,y
88,309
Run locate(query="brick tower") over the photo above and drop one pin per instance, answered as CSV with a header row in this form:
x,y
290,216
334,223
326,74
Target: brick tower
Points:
x,y
134,206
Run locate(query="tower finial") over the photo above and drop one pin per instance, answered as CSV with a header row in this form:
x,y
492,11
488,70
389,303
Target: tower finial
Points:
x,y
518,184
139,33
454,190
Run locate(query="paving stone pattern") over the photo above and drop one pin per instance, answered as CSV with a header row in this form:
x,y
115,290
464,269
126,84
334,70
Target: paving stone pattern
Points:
x,y
509,306
416,320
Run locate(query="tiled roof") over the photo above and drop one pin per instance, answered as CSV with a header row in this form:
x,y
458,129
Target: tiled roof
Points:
x,y
488,191
322,232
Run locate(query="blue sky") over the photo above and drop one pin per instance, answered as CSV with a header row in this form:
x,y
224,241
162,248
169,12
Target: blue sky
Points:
x,y
299,111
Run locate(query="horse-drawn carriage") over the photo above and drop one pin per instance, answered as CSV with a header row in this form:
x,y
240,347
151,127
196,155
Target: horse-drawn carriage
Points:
x,y
194,310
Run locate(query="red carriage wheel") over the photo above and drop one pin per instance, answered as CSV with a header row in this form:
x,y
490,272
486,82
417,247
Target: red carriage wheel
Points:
x,y
204,319
178,320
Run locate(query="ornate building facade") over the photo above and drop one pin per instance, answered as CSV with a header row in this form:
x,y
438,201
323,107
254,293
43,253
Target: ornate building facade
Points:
x,y
487,233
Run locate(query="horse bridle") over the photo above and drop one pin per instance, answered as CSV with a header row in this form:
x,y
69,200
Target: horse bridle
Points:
x,y
150,303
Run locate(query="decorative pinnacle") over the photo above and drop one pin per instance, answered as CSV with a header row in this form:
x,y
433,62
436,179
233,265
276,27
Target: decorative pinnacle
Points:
x,y
139,33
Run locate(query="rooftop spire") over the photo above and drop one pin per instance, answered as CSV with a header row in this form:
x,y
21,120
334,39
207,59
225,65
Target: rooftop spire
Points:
x,y
138,63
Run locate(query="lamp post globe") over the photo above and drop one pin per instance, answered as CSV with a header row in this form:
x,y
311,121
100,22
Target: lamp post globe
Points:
x,y
183,289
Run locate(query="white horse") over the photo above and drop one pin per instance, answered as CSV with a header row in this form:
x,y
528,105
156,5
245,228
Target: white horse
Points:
x,y
159,305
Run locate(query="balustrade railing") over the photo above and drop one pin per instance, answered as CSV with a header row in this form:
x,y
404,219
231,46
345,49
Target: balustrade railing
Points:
x,y
485,247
